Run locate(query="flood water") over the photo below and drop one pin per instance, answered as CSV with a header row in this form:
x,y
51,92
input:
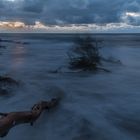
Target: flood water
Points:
x,y
94,105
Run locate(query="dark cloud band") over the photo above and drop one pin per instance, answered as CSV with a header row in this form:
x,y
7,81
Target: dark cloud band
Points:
x,y
70,11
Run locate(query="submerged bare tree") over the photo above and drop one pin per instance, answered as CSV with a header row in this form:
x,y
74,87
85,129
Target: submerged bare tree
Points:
x,y
85,55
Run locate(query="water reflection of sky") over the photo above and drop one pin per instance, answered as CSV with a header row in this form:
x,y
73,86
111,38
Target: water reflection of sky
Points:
x,y
18,56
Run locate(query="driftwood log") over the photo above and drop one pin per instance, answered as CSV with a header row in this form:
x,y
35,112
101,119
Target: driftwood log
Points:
x,y
9,120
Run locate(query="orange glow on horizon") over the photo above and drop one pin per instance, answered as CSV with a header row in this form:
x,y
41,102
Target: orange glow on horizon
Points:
x,y
17,24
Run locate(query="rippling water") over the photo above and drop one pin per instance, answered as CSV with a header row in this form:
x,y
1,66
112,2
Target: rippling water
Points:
x,y
95,106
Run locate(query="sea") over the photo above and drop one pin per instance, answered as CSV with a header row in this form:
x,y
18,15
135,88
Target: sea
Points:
x,y
95,105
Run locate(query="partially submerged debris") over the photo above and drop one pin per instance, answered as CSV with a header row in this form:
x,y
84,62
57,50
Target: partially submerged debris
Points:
x,y
7,84
3,92
84,55
9,120
8,80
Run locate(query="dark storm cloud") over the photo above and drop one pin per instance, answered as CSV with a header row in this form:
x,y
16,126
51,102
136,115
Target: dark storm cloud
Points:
x,y
35,6
69,11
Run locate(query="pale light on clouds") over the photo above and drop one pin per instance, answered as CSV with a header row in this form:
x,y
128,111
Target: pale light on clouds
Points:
x,y
86,28
133,14
132,18
16,24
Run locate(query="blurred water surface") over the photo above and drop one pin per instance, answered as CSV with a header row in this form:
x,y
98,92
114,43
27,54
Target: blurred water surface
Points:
x,y
95,106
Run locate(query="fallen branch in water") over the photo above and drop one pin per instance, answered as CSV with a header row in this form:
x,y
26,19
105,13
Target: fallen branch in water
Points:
x,y
9,120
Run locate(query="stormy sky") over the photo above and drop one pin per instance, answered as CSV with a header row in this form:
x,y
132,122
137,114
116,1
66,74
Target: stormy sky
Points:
x,y
77,12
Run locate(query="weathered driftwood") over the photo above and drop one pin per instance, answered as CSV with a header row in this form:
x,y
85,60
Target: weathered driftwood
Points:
x,y
9,120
